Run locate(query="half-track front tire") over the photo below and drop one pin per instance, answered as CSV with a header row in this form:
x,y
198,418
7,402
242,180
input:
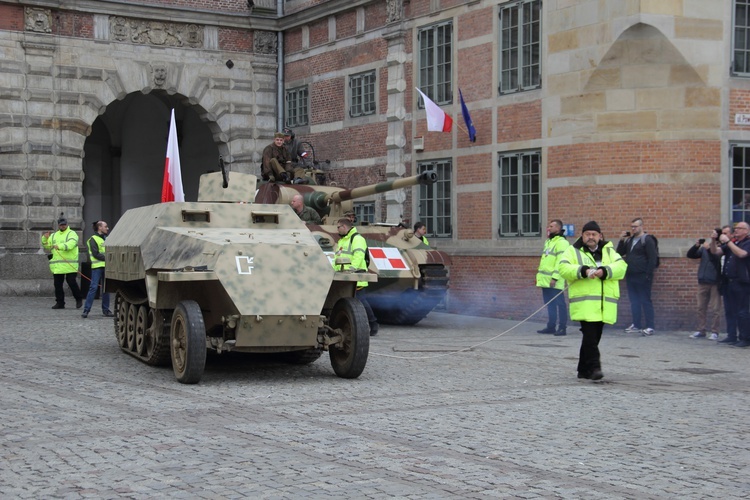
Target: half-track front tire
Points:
x,y
188,342
349,358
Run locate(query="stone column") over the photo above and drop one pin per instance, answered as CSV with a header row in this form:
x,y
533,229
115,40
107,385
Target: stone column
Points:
x,y
395,140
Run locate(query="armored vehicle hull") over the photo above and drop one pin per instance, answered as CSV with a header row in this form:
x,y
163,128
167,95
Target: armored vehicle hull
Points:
x,y
412,277
224,276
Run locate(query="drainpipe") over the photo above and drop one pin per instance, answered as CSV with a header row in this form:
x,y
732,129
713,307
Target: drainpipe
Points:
x,y
280,72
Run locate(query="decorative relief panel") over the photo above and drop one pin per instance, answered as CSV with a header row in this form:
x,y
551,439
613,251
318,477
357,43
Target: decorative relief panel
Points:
x,y
38,20
265,42
123,29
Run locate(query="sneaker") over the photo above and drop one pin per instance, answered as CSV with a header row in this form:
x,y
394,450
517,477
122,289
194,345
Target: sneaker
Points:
x,y
561,333
713,336
698,335
647,332
546,330
58,306
632,329
85,314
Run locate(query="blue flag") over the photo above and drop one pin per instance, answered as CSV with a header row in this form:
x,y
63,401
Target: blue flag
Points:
x,y
467,119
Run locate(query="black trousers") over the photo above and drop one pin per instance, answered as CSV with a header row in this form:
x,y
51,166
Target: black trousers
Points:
x,y
588,360
70,278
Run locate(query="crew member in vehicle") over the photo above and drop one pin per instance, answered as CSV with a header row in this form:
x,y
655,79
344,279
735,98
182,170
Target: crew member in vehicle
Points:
x,y
419,231
307,214
276,165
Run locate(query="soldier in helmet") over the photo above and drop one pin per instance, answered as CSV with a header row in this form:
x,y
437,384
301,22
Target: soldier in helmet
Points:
x,y
349,214
293,146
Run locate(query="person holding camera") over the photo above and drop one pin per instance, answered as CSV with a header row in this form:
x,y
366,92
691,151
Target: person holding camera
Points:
x,y
736,273
708,295
548,279
639,251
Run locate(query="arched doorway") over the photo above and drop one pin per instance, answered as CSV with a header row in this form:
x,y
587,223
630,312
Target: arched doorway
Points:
x,y
124,154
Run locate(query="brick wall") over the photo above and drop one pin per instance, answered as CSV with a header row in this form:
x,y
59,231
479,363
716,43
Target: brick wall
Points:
x,y
74,24
346,24
235,40
739,102
519,122
11,17
208,5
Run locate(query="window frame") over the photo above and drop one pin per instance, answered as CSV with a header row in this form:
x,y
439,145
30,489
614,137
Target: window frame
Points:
x,y
358,88
523,194
299,115
524,44
739,179
746,45
435,62
435,201
365,212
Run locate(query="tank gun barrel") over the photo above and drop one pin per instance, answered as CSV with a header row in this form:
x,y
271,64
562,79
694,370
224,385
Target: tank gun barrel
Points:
x,y
425,178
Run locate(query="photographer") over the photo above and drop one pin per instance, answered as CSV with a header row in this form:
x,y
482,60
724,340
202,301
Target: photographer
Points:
x,y
736,272
708,295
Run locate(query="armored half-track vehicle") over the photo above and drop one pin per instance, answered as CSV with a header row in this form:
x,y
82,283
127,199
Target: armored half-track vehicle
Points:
x,y
222,275
412,276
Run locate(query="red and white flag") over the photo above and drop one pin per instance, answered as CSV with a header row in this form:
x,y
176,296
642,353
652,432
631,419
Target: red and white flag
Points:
x,y
437,120
171,188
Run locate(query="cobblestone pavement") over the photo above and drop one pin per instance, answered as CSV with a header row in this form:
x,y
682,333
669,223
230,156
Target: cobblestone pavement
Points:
x,y
504,419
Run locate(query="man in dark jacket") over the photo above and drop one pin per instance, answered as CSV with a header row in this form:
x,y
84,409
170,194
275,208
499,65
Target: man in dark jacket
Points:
x,y
639,251
736,252
709,297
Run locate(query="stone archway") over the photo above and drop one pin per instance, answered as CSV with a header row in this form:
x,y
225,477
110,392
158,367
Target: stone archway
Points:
x,y
123,163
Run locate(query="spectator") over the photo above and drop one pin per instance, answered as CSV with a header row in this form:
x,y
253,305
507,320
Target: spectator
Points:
x,y
95,246
63,261
420,230
593,270
736,272
708,313
640,254
276,165
307,214
548,279
354,246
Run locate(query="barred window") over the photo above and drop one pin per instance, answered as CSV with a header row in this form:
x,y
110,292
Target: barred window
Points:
x,y
741,40
435,205
362,87
520,47
740,188
296,107
435,62
519,194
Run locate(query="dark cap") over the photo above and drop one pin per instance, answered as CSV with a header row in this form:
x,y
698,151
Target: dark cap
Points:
x,y
61,221
348,213
591,226
288,131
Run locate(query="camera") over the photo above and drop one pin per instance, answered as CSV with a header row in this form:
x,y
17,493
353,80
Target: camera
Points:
x,y
627,233
702,241
718,232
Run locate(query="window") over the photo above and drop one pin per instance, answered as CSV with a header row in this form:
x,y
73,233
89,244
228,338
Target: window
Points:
x,y
520,46
519,194
435,199
362,87
740,188
741,41
365,212
435,58
296,107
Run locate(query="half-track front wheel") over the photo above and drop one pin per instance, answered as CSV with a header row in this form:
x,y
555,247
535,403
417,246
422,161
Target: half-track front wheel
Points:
x,y
349,357
188,342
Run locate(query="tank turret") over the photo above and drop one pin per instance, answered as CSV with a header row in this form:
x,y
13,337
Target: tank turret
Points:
x,y
332,202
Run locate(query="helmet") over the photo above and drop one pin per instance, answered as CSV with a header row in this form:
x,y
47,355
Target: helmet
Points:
x,y
288,131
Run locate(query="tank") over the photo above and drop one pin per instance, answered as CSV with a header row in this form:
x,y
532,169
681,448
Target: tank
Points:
x,y
223,275
412,277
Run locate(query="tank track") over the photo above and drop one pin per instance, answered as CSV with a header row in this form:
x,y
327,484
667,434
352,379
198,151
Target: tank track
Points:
x,y
144,334
414,305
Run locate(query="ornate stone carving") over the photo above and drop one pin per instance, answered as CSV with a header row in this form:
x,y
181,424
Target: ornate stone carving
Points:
x,y
394,11
38,20
159,73
265,42
158,33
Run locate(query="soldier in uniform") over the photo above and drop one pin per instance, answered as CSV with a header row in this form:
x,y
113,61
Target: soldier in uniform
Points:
x,y
276,165
307,214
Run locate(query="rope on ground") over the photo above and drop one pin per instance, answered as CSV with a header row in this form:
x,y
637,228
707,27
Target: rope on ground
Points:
x,y
452,353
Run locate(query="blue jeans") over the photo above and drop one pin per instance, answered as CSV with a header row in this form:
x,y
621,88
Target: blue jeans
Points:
x,y
556,308
737,307
96,277
639,292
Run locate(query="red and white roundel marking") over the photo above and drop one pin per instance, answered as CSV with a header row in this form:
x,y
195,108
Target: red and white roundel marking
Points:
x,y
388,259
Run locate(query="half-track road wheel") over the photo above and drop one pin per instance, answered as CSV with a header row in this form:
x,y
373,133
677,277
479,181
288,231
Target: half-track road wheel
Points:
x,y
156,339
188,342
132,318
141,323
349,357
121,320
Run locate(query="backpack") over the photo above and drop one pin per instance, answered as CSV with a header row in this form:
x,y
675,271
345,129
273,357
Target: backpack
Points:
x,y
656,244
367,250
